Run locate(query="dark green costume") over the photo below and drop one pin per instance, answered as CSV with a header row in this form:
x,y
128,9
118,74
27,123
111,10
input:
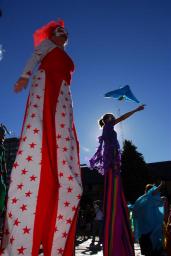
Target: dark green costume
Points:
x,y
3,171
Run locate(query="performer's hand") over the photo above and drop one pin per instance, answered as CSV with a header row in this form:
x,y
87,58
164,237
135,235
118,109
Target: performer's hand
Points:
x,y
21,84
141,107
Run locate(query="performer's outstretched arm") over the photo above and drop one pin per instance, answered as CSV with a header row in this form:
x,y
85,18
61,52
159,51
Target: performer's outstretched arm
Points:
x,y
128,114
39,52
161,185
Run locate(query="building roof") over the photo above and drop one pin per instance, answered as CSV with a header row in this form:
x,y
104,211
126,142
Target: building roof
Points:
x,y
161,170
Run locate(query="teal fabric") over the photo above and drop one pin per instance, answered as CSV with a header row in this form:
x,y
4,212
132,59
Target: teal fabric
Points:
x,y
148,213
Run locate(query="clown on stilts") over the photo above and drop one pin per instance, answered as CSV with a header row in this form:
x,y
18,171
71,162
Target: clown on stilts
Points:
x,y
46,186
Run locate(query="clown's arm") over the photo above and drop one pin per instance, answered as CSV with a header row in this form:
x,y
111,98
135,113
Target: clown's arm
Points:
x,y
39,52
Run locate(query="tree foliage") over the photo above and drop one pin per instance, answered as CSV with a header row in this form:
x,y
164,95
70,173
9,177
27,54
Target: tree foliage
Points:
x,y
134,171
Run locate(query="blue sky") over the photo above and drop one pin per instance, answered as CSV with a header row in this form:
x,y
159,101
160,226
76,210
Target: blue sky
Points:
x,y
112,43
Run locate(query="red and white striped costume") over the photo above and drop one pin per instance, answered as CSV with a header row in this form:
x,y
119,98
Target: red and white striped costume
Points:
x,y
45,187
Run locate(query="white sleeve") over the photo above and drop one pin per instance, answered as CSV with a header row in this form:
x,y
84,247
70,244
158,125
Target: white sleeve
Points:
x,y
39,52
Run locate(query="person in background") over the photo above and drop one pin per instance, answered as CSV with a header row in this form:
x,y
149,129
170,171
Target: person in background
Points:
x,y
97,224
148,214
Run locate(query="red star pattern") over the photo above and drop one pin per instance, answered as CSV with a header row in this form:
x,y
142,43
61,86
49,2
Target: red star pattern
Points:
x,y
12,240
23,207
38,97
70,178
58,136
29,158
33,115
24,171
16,222
69,190
14,200
20,152
65,149
60,251
61,174
36,131
28,126
15,165
26,230
33,178
32,145
29,172
24,138
20,186
63,162
28,194
74,208
21,250
69,221
62,125
79,196
56,229
10,215
35,106
63,114
66,204
6,232
67,138
64,235
60,217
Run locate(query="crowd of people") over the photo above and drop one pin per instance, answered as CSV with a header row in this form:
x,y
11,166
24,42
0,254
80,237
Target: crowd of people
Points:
x,y
46,176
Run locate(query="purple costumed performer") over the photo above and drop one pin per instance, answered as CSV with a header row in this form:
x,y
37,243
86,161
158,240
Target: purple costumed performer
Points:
x,y
117,232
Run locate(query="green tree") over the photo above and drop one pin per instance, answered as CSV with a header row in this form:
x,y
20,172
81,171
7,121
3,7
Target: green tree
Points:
x,y
134,172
